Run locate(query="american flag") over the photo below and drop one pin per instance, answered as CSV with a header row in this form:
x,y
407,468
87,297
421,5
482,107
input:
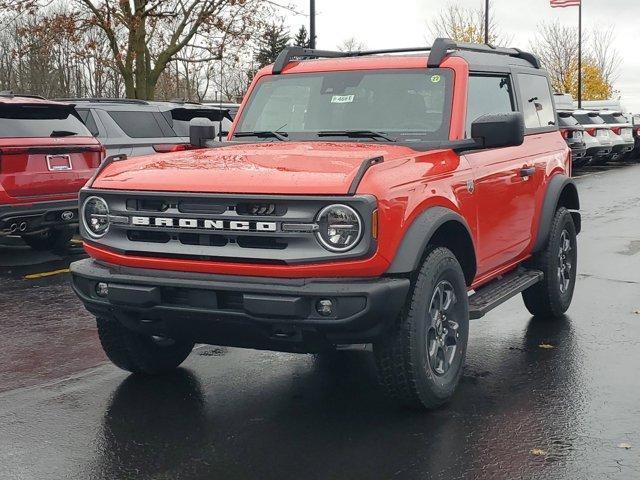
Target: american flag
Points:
x,y
565,3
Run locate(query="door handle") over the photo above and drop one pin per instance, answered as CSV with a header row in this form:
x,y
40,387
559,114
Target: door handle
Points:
x,y
527,171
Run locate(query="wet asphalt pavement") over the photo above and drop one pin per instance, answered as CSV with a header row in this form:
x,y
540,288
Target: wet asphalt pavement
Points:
x,y
539,399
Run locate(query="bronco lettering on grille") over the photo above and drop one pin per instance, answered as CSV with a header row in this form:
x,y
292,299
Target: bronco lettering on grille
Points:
x,y
205,224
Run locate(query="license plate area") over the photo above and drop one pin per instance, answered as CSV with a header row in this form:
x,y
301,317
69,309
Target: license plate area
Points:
x,y
59,163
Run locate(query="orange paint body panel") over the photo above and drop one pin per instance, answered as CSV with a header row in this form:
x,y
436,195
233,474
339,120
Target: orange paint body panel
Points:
x,y
502,210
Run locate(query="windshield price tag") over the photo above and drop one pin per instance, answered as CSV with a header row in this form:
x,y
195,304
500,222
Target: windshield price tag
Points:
x,y
342,99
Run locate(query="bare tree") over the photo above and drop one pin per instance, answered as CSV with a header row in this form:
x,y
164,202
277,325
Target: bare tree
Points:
x,y
145,36
557,47
465,25
604,55
351,44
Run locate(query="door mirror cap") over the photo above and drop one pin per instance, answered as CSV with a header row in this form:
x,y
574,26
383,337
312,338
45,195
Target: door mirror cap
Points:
x,y
201,130
498,130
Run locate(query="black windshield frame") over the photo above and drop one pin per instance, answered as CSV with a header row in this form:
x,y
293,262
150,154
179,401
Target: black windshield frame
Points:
x,y
446,75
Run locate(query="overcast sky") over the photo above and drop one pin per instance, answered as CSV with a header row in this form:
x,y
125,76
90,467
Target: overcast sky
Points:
x,y
402,23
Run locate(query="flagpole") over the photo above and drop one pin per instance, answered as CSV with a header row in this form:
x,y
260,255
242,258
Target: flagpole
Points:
x,y
580,55
486,22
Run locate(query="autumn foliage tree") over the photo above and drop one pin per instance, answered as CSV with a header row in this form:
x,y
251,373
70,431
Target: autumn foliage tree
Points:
x,y
144,36
557,47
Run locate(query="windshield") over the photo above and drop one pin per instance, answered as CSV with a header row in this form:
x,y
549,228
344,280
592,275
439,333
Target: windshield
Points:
x,y
18,121
403,105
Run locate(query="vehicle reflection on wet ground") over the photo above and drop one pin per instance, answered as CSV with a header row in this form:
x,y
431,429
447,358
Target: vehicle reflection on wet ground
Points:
x,y
539,399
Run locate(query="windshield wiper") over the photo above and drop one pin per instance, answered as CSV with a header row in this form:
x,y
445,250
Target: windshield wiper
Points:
x,y
62,133
356,134
282,136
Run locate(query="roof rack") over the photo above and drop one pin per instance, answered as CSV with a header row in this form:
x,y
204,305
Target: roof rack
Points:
x,y
105,100
439,50
10,94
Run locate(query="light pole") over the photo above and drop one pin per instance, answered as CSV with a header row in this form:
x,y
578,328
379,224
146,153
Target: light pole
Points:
x,y
312,24
486,21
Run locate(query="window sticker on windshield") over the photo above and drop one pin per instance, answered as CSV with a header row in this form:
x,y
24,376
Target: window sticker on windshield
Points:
x,y
435,78
342,99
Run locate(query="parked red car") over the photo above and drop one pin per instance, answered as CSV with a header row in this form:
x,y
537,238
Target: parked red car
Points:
x,y
384,199
46,156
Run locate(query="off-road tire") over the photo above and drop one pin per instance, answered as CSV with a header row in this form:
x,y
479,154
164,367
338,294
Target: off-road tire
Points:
x,y
50,240
546,298
403,362
139,353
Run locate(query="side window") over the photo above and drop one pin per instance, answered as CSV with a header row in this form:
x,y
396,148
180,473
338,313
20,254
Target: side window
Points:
x,y
488,94
140,124
536,101
89,121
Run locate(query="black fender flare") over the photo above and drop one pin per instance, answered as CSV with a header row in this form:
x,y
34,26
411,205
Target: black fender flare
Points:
x,y
419,234
557,185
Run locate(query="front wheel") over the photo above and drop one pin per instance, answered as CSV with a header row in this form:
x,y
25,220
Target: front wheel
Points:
x,y
138,353
552,296
420,362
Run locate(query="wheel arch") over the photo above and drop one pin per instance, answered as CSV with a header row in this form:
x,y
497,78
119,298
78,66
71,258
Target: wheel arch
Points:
x,y
439,227
561,192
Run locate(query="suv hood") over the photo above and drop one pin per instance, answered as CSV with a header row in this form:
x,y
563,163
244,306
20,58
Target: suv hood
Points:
x,y
302,168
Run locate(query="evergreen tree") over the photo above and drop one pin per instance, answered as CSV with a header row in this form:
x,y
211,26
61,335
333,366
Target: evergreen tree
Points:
x,y
302,38
274,39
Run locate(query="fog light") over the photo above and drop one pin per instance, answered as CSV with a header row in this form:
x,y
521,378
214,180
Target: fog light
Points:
x,y
102,289
324,307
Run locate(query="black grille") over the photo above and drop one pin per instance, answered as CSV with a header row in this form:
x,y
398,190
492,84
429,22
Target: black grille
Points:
x,y
226,227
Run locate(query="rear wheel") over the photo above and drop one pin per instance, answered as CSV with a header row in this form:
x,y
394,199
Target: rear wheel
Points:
x,y
552,296
420,362
139,353
52,239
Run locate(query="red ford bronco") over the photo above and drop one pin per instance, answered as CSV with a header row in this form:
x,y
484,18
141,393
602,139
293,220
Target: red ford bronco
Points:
x,y
46,156
365,198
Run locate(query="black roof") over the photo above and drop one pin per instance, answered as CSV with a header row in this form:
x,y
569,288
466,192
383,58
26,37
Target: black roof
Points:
x,y
475,54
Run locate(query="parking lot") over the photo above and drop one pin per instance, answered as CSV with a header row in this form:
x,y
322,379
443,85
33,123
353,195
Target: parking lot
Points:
x,y
538,399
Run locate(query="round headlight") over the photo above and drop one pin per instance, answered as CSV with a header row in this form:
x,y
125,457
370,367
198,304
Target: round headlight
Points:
x,y
340,228
95,216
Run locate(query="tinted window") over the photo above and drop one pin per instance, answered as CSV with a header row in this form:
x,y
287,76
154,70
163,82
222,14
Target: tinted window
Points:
x,y
89,121
613,118
567,121
142,124
536,100
588,119
40,121
488,94
409,104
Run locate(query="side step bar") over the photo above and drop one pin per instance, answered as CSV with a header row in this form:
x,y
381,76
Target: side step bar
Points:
x,y
489,296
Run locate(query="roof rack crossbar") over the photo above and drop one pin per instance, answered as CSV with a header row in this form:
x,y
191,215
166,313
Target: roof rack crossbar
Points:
x,y
105,100
441,47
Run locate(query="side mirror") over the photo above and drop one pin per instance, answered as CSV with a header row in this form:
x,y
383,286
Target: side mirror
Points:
x,y
498,130
201,130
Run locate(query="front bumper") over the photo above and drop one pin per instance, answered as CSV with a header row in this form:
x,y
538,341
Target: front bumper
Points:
x,y
252,312
36,217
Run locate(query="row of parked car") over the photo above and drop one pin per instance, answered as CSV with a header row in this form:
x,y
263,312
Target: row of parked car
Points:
x,y
598,134
50,149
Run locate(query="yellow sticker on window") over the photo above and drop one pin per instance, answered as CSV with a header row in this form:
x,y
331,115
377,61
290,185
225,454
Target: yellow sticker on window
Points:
x,y
435,78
